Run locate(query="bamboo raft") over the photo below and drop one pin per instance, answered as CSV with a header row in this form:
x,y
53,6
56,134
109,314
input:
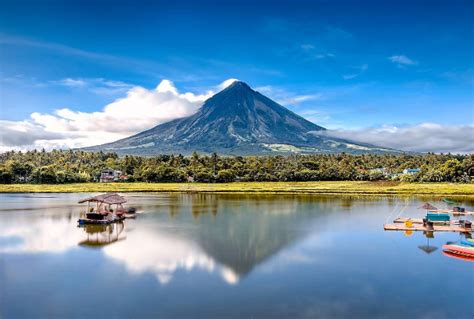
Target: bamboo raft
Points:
x,y
402,220
436,220
421,227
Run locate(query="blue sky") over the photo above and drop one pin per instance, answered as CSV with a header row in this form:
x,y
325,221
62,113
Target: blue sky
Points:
x,y
344,65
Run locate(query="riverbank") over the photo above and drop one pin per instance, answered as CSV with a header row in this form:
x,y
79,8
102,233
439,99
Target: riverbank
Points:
x,y
344,187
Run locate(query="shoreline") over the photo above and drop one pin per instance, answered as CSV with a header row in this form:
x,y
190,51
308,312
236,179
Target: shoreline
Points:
x,y
323,188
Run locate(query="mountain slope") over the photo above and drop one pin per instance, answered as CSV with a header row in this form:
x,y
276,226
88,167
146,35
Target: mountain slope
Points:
x,y
236,121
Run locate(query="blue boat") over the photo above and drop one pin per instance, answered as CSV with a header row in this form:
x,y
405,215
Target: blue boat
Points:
x,y
468,242
437,217
449,202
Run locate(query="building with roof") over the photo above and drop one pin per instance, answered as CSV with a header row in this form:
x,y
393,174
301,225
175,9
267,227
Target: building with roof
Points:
x,y
111,175
411,171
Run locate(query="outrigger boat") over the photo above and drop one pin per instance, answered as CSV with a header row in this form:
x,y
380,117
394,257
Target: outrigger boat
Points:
x,y
460,250
449,202
468,242
103,212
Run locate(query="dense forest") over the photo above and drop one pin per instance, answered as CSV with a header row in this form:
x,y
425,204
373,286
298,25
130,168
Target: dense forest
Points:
x,y
79,166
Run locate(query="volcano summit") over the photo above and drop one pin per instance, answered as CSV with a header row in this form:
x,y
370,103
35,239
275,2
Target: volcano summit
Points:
x,y
237,121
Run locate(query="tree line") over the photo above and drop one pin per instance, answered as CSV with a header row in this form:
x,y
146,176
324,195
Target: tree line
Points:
x,y
58,167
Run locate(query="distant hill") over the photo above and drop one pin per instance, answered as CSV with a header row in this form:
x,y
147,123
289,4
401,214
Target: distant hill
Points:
x,y
237,121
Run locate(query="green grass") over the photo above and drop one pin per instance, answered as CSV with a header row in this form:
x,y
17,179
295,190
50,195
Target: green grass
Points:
x,y
345,187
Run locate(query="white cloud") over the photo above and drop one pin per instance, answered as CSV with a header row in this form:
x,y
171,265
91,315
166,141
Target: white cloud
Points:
x,y
285,97
307,46
164,255
302,98
138,110
226,83
315,116
72,82
349,76
95,85
402,60
43,235
22,133
311,52
360,69
324,55
337,33
425,137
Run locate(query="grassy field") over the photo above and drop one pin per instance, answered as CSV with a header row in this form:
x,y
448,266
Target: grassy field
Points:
x,y
350,188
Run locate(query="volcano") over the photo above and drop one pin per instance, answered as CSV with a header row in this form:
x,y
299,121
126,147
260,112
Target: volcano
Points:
x,y
237,121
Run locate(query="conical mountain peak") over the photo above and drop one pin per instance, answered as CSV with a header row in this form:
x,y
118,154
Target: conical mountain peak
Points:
x,y
236,121
237,86
240,85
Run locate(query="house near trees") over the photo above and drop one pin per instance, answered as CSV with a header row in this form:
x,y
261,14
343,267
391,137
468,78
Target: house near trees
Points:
x,y
411,171
111,175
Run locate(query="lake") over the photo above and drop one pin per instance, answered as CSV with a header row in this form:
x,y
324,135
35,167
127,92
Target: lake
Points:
x,y
227,256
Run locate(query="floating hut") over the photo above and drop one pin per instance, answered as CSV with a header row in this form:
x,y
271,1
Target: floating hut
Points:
x,y
103,212
428,207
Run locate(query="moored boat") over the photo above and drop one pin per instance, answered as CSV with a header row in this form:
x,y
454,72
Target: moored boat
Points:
x,y
468,242
449,202
466,251
104,213
437,217
105,221
460,257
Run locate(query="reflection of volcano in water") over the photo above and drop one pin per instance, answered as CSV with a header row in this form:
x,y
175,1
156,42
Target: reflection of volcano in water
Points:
x,y
246,230
223,234
227,235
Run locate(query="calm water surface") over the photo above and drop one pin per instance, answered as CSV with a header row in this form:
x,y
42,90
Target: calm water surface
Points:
x,y
226,256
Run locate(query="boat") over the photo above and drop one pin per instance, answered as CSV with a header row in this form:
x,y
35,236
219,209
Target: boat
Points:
x,y
460,257
106,221
448,201
433,216
468,242
465,251
103,212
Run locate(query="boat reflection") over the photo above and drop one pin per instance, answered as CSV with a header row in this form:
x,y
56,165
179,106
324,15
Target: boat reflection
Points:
x,y
102,235
461,249
458,257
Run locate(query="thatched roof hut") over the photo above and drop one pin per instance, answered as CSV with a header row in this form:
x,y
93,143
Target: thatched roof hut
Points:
x,y
428,206
109,198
